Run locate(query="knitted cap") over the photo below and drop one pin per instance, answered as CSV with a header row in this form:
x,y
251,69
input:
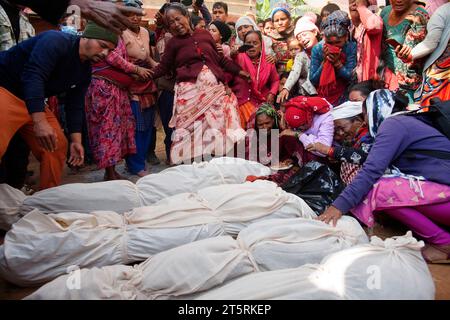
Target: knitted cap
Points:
x,y
94,31
305,24
224,30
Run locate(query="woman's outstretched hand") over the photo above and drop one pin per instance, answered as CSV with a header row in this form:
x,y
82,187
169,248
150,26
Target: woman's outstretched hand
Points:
x,y
331,214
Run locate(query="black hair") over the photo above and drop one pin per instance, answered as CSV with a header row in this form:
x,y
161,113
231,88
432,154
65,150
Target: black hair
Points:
x,y
178,7
254,31
266,21
195,20
359,117
366,87
231,23
284,74
181,9
330,8
164,7
220,4
401,102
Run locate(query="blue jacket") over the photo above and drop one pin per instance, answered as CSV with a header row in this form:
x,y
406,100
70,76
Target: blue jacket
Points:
x,y
345,72
44,66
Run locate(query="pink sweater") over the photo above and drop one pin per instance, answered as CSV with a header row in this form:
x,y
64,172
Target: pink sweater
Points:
x,y
368,36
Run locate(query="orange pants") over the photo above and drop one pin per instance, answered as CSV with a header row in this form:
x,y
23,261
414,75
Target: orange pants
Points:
x,y
14,117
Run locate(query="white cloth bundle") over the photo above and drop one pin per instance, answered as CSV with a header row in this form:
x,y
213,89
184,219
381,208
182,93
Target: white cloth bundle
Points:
x,y
390,269
289,243
11,200
118,195
240,205
121,196
186,271
40,247
191,178
176,273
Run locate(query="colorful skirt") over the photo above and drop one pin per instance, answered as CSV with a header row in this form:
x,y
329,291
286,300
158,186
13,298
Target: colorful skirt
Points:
x,y
205,118
436,82
111,124
397,192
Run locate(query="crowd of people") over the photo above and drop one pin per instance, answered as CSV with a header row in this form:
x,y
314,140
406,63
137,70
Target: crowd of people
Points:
x,y
336,87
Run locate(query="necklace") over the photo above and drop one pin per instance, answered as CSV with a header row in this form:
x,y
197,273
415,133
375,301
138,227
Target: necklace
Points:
x,y
137,39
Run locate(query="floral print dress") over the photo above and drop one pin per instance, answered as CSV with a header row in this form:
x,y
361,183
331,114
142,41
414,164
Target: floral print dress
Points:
x,y
409,75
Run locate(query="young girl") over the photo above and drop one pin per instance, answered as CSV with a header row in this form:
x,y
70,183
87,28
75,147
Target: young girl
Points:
x,y
295,48
306,33
268,27
221,33
264,78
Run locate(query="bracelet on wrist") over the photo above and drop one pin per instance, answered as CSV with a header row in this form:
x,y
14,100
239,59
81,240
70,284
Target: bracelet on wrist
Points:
x,y
330,152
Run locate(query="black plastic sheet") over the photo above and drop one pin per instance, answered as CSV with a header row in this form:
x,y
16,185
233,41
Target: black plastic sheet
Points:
x,y
316,184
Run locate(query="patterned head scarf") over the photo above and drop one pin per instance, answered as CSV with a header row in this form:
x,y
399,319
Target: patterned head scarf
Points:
x,y
379,105
336,24
268,110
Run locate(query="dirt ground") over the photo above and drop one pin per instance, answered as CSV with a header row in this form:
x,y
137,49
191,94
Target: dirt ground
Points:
x,y
384,229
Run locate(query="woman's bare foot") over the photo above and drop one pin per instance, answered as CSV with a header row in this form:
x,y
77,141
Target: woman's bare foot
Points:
x,y
142,173
109,174
112,174
119,176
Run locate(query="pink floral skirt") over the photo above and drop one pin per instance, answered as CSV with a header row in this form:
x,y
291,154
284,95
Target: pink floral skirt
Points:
x,y
111,124
205,118
396,192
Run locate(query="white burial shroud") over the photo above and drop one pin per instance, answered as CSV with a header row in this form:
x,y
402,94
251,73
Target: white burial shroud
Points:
x,y
122,196
40,247
389,269
187,271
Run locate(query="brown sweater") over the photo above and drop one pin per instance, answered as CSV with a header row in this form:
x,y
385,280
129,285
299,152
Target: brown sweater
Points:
x,y
186,55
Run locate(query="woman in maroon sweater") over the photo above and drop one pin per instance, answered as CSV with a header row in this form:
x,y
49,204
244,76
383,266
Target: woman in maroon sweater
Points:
x,y
205,116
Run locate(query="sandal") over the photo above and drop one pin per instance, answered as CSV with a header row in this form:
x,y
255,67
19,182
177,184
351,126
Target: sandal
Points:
x,y
435,254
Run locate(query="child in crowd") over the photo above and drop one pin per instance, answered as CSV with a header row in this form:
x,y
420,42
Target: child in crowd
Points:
x,y
294,48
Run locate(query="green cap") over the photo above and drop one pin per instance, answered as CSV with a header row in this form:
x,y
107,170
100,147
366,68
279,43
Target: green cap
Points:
x,y
94,31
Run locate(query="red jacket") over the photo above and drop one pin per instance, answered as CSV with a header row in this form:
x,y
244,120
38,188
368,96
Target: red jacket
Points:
x,y
186,55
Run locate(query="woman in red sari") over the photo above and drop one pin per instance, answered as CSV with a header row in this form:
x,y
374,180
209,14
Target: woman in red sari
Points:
x,y
264,79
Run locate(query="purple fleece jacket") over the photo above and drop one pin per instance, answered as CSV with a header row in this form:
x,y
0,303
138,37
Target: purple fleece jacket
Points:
x,y
395,136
